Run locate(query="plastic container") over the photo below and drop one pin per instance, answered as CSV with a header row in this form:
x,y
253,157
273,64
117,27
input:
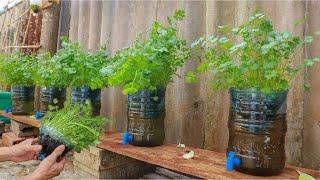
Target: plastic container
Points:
x,y
83,94
5,102
257,129
22,100
51,96
146,113
50,140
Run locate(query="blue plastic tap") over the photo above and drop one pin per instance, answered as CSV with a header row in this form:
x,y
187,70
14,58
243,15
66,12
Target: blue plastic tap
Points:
x,y
232,161
38,115
8,110
126,138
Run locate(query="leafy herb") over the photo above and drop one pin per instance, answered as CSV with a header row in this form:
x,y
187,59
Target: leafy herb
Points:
x,y
252,55
71,66
76,125
150,63
47,74
17,69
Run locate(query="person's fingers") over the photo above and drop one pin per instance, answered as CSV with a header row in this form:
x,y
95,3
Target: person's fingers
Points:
x,y
57,152
61,164
36,148
27,141
35,140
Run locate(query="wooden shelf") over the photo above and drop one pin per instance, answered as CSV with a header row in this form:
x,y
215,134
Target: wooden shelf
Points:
x,y
22,119
206,164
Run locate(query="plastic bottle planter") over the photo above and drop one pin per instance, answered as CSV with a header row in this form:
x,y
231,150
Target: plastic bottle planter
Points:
x,y
22,100
257,128
49,95
146,113
50,140
81,95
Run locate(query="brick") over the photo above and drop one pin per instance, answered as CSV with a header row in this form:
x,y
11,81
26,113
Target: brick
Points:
x,y
132,169
2,127
23,130
10,139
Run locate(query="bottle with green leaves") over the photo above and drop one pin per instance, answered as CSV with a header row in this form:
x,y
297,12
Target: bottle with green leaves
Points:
x,y
51,82
254,62
144,69
18,71
80,70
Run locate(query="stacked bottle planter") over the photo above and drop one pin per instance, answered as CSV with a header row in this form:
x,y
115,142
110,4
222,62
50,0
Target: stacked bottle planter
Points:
x,y
83,94
257,129
146,113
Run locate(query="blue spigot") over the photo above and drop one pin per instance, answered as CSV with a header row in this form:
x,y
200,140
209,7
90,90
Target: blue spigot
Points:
x,y
8,110
232,161
126,138
38,115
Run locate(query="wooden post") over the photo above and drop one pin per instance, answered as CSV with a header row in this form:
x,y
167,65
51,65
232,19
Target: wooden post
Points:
x,y
49,37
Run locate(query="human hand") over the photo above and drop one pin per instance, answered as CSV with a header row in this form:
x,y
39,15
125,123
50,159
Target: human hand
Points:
x,y
49,167
24,151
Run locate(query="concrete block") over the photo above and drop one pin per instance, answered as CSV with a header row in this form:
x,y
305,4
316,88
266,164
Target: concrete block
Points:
x,y
10,139
23,130
99,159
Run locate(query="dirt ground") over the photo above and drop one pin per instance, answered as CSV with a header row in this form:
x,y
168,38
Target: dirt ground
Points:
x,y
10,170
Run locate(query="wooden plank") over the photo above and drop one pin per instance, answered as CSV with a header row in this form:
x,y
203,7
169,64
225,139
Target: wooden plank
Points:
x,y
206,164
22,119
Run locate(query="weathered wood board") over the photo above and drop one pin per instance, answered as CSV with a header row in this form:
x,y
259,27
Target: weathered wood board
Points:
x,y
206,164
22,119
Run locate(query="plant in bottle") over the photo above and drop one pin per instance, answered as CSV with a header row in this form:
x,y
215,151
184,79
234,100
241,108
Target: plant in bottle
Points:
x,y
18,71
72,126
81,71
144,69
255,62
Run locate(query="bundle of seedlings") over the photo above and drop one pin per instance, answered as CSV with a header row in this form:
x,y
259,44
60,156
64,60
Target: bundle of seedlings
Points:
x,y
52,83
144,70
72,126
253,61
18,71
81,71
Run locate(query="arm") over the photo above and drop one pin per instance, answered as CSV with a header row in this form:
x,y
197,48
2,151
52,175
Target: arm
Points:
x,y
23,151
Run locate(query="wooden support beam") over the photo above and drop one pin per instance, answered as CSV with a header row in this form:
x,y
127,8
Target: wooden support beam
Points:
x,y
22,119
205,164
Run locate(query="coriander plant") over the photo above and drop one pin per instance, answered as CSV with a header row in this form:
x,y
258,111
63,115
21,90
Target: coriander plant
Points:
x,y
17,69
47,74
149,63
76,68
253,55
